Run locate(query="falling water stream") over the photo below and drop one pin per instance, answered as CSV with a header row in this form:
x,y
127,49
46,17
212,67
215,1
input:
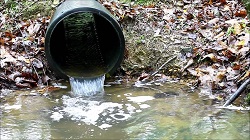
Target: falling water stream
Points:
x,y
87,87
120,112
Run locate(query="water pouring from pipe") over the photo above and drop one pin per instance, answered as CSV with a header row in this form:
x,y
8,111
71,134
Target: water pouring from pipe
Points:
x,y
87,87
83,42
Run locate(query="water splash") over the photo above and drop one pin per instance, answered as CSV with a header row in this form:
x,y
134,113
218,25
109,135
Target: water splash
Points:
x,y
87,87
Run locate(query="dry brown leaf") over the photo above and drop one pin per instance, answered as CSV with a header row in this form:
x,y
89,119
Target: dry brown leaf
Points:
x,y
223,2
247,75
219,35
211,56
241,13
237,28
6,57
236,66
2,41
220,76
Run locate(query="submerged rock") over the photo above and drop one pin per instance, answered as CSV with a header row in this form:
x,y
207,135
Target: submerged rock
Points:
x,y
166,94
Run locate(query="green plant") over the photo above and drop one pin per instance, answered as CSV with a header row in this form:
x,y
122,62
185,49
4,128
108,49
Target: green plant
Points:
x,y
247,98
230,30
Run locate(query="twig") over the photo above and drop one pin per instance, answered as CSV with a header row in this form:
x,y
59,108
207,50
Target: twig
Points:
x,y
237,93
174,57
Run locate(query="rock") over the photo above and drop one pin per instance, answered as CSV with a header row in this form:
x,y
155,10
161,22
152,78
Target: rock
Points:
x,y
165,94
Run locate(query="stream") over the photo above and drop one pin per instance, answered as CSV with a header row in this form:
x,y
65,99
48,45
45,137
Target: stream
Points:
x,y
121,112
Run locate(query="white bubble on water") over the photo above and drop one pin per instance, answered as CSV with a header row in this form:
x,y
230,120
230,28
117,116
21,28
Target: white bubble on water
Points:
x,y
144,106
97,113
87,111
140,99
13,107
103,126
56,116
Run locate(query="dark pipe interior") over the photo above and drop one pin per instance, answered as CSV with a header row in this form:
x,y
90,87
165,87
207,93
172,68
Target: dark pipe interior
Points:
x,y
85,45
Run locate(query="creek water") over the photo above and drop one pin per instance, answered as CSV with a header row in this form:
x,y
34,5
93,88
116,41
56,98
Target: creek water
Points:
x,y
121,112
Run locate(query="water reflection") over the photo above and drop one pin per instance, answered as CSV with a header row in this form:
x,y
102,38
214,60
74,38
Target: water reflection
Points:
x,y
26,118
120,113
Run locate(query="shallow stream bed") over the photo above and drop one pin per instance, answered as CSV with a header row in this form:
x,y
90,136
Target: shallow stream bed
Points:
x,y
122,112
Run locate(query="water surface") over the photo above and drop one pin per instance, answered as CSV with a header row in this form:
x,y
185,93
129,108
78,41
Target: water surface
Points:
x,y
122,112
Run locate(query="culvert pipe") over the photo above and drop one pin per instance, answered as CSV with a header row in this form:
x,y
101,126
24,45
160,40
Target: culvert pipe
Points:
x,y
83,40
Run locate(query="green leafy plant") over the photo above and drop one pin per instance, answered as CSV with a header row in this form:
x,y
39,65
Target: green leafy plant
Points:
x,y
230,30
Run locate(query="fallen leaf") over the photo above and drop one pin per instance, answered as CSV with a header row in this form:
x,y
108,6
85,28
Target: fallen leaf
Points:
x,y
33,29
207,33
21,58
37,63
243,51
223,2
23,85
157,32
236,66
45,79
211,56
219,35
143,76
213,21
237,28
241,13
247,75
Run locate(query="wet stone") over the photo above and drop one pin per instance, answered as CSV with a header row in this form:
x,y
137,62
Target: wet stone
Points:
x,y
166,95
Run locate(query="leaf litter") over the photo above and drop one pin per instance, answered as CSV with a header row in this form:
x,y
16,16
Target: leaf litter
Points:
x,y
209,37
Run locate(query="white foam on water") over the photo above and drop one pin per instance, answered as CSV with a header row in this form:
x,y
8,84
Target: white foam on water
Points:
x,y
104,126
232,107
14,107
56,116
88,86
86,106
140,99
81,109
95,112
144,106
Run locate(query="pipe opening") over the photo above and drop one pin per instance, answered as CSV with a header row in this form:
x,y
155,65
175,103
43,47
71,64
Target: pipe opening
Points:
x,y
84,44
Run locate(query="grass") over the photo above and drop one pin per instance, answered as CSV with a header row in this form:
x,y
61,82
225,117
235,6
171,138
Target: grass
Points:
x,y
27,9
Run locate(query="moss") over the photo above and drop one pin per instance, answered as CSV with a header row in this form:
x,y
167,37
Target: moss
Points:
x,y
28,9
32,9
247,98
247,5
142,2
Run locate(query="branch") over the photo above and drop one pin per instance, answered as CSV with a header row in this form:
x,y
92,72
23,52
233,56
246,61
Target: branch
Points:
x,y
163,65
237,93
